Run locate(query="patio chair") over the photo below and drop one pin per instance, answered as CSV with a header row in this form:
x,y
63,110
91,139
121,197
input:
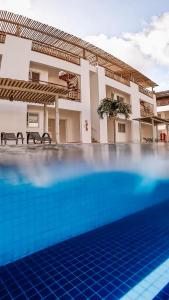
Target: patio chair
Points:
x,y
46,138
8,136
35,137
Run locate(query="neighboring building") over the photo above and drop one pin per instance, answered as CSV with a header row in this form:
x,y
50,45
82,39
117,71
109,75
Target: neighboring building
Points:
x,y
80,74
163,112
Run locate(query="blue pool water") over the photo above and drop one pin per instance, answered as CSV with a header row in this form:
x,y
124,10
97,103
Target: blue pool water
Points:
x,y
35,217
113,195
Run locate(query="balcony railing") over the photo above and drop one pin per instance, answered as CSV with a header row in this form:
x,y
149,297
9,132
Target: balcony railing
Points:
x,y
111,75
145,92
52,51
73,95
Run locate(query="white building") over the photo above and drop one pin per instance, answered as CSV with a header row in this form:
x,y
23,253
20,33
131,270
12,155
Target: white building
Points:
x,y
37,54
163,112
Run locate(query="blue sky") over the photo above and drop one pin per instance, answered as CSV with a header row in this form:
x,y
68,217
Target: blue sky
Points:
x,y
133,30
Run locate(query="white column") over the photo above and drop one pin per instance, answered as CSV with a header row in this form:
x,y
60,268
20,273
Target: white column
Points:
x,y
154,133
102,95
57,119
167,133
135,104
140,131
85,119
45,119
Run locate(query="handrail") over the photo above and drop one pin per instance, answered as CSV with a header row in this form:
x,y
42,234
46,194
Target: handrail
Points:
x,y
55,52
71,94
145,91
116,77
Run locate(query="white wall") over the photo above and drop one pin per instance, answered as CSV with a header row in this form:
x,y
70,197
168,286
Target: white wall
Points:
x,y
40,110
95,122
146,131
72,123
15,65
126,136
120,136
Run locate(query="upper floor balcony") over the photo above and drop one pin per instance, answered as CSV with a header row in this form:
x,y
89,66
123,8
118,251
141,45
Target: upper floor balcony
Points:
x,y
116,77
146,109
146,91
73,92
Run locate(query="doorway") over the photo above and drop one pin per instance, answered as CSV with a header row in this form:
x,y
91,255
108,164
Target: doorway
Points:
x,y
51,129
63,131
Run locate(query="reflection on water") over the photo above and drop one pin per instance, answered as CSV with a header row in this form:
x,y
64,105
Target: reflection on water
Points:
x,y
45,164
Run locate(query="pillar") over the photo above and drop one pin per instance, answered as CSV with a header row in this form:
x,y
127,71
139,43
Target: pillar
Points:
x,y
167,133
154,133
140,131
57,120
45,119
85,119
135,104
102,95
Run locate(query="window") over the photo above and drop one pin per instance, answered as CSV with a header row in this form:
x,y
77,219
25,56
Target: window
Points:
x,y
35,76
121,127
119,98
33,120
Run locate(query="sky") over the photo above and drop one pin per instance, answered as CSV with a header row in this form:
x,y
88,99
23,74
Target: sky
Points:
x,y
135,31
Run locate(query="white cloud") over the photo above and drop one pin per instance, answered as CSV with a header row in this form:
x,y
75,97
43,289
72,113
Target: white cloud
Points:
x,y
147,50
17,6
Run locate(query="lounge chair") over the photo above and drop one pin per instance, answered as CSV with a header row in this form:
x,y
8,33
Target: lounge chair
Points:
x,y
35,137
6,136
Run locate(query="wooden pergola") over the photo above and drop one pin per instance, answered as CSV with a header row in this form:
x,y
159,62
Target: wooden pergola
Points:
x,y
35,93
154,121
51,41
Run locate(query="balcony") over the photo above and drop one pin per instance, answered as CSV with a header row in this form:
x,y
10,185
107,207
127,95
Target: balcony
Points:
x,y
146,109
113,76
145,91
53,51
73,95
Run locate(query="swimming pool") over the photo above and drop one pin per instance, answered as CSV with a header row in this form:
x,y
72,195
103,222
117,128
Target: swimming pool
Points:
x,y
50,195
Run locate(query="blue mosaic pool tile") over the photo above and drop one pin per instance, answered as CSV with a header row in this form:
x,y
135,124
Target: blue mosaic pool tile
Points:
x,y
103,264
163,294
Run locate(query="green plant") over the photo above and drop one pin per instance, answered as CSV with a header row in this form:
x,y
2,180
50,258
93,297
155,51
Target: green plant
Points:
x,y
112,109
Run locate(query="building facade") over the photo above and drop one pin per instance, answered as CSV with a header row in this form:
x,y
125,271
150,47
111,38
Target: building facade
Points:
x,y
42,55
163,112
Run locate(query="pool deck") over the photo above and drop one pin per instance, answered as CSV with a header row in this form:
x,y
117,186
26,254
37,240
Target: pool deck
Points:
x,y
103,264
